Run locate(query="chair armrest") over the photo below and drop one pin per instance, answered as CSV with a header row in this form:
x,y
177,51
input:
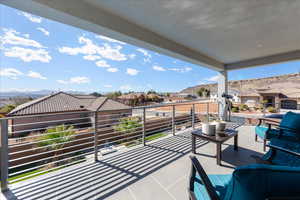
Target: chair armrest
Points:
x,y
288,129
197,168
283,150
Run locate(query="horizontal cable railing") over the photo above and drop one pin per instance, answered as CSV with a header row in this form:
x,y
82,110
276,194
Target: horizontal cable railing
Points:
x,y
37,144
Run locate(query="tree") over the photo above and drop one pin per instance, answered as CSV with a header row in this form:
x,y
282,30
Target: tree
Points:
x,y
7,108
114,95
151,92
203,92
96,94
56,138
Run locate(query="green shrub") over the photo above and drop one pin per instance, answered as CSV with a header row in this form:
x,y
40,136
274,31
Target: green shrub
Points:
x,y
271,109
235,109
56,137
243,107
128,124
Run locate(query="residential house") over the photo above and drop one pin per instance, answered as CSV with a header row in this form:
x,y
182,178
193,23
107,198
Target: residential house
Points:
x,y
271,97
234,93
71,109
139,99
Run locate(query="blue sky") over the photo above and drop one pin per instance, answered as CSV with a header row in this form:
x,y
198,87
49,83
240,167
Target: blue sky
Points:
x,y
37,54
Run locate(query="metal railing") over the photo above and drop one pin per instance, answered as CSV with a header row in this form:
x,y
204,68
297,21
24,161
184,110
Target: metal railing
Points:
x,y
37,144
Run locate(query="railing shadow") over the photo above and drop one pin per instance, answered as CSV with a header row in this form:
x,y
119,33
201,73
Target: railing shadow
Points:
x,y
101,179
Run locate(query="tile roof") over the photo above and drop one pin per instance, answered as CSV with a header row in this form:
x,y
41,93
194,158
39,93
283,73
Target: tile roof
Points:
x,y
63,102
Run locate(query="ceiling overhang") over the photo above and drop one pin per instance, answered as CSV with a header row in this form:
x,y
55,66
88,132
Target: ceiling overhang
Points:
x,y
102,18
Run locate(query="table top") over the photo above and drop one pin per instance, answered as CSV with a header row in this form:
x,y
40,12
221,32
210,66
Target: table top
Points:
x,y
230,132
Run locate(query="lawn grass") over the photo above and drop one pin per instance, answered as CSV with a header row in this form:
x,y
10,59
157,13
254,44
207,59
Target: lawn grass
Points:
x,y
155,136
39,172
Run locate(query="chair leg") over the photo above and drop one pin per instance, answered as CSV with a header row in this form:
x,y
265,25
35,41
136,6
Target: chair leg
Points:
x,y
265,142
255,138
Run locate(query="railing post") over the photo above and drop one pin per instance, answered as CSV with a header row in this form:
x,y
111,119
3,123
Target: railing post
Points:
x,y
4,154
173,119
207,110
96,135
193,116
144,126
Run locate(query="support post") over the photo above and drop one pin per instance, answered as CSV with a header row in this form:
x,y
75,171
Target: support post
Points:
x,y
4,154
193,117
144,126
96,135
173,119
223,89
207,111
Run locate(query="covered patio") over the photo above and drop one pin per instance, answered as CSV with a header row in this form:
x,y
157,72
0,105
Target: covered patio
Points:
x,y
220,35
158,170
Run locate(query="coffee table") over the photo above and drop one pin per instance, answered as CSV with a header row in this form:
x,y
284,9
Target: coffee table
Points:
x,y
230,132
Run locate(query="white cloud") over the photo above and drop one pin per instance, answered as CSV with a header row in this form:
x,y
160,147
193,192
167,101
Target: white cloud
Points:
x,y
11,73
158,68
131,56
47,33
176,69
107,86
213,78
32,18
75,80
63,81
36,75
112,69
132,71
146,54
182,70
90,48
102,63
79,80
143,51
11,42
201,82
109,39
187,69
28,55
18,90
13,37
125,87
91,57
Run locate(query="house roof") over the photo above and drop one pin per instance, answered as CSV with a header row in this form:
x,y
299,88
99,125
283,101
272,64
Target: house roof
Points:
x,y
63,102
249,94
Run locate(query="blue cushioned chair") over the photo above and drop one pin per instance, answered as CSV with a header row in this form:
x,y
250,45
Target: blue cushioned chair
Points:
x,y
283,152
252,182
288,129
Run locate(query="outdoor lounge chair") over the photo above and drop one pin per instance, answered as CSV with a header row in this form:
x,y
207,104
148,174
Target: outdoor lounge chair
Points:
x,y
251,182
288,129
283,152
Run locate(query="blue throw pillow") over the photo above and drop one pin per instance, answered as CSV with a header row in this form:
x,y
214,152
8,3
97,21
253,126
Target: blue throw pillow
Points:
x,y
291,120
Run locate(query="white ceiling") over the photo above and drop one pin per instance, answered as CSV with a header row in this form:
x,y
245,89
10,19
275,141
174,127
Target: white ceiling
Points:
x,y
229,31
209,32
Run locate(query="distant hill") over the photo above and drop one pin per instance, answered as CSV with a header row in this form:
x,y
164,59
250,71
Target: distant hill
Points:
x,y
288,84
33,94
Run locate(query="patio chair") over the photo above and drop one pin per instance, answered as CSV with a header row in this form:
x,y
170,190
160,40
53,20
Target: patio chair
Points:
x,y
283,152
249,182
288,129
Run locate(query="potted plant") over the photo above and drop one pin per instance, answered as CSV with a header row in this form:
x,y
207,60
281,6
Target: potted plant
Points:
x,y
220,124
207,127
